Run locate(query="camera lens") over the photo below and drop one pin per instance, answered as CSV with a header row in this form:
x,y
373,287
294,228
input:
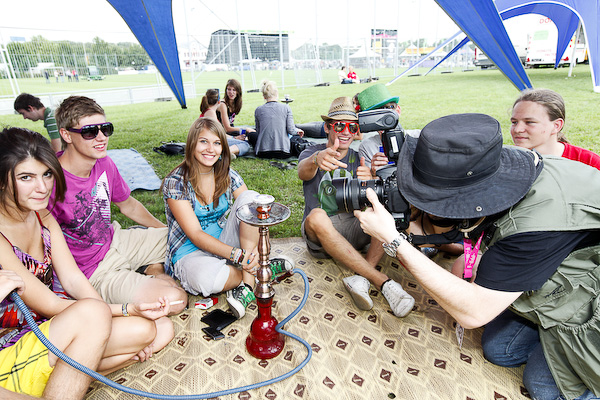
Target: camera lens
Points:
x,y
351,194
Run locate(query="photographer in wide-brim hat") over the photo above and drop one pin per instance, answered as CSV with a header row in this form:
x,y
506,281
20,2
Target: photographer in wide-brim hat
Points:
x,y
537,223
329,234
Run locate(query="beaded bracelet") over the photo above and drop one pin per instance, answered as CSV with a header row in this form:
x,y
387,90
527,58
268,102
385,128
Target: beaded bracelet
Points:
x,y
241,256
237,255
124,310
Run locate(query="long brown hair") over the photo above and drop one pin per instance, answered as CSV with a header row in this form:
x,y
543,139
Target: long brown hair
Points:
x,y
189,167
16,146
235,105
552,102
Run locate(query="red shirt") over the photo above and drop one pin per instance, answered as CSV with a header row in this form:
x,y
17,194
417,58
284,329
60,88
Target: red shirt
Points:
x,y
582,155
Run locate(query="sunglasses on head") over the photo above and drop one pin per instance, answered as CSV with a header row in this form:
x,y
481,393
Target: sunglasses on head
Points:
x,y
89,132
339,127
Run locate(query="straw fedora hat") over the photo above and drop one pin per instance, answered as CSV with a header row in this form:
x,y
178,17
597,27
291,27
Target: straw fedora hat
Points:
x,y
341,109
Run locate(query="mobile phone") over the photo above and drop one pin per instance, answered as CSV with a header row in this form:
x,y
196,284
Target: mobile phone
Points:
x,y
218,319
214,333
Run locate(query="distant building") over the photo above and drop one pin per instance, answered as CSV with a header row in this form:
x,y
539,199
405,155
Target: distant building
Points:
x,y
224,47
192,57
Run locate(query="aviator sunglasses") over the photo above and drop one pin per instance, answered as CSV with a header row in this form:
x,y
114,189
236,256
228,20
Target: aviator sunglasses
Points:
x,y
339,127
89,132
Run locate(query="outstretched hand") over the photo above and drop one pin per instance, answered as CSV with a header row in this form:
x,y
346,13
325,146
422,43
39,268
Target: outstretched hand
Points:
x,y
376,221
153,311
327,159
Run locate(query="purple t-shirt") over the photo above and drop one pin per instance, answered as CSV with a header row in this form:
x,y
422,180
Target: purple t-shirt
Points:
x,y
84,216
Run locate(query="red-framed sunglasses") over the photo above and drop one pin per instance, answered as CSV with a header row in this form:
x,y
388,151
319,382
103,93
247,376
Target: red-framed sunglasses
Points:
x,y
89,132
339,127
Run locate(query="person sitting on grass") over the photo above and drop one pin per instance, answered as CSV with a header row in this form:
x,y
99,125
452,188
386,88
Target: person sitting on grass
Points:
x,y
32,246
208,108
274,126
538,220
343,75
329,234
209,248
85,325
32,108
537,121
229,107
378,97
108,255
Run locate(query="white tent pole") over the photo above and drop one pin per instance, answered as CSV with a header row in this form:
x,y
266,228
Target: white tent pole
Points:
x,y
574,51
237,15
397,52
189,45
347,63
280,44
10,71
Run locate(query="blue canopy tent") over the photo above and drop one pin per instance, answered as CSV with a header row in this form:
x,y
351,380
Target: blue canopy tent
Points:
x,y
151,21
480,21
565,14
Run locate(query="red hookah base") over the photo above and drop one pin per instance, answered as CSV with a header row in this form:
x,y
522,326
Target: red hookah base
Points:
x,y
264,342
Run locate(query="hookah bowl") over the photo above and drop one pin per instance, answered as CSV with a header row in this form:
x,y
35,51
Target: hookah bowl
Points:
x,y
264,342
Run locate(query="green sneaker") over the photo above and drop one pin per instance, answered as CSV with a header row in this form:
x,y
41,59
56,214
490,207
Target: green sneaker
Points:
x,y
238,299
280,265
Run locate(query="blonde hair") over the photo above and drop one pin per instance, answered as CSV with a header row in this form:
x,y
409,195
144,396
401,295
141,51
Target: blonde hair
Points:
x,y
269,89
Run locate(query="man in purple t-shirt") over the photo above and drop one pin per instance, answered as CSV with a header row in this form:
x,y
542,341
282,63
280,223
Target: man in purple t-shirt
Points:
x,y
108,255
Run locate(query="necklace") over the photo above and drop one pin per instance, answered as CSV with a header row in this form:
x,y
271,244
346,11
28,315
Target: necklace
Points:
x,y
207,173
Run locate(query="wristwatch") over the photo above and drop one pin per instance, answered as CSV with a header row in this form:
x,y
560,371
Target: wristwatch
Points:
x,y
390,248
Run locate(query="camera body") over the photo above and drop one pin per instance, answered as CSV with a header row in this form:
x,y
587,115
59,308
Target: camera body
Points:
x,y
386,121
351,194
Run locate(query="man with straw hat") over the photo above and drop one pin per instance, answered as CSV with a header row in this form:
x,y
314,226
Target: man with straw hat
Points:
x,y
538,224
339,236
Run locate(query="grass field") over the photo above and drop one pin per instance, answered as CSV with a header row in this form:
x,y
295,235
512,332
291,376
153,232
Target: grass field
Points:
x,y
144,126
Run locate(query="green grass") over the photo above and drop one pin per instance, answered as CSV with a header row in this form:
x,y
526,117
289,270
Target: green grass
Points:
x,y
144,126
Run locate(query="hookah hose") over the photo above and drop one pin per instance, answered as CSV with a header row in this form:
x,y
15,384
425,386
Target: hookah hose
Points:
x,y
21,305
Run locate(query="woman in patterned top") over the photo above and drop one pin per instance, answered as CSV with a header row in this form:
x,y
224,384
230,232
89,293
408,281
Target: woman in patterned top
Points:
x,y
33,246
208,248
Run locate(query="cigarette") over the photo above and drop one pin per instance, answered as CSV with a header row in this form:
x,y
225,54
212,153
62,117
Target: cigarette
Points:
x,y
176,302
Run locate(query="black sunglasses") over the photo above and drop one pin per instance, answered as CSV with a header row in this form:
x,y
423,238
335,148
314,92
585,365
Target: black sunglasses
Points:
x,y
89,132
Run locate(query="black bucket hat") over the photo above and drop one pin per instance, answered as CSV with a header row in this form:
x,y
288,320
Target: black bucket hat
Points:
x,y
458,168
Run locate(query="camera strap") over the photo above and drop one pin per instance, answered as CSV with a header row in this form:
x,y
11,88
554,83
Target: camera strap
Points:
x,y
452,236
471,251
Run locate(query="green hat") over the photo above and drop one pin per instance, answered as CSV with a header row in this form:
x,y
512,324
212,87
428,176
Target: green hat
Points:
x,y
375,96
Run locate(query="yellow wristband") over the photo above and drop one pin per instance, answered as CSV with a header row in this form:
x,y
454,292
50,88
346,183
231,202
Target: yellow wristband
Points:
x,y
124,310
315,158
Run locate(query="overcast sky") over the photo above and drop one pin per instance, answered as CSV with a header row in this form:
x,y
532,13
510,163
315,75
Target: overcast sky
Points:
x,y
329,21
342,21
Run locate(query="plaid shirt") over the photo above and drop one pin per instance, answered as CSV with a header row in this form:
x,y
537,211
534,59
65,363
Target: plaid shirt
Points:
x,y
175,188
